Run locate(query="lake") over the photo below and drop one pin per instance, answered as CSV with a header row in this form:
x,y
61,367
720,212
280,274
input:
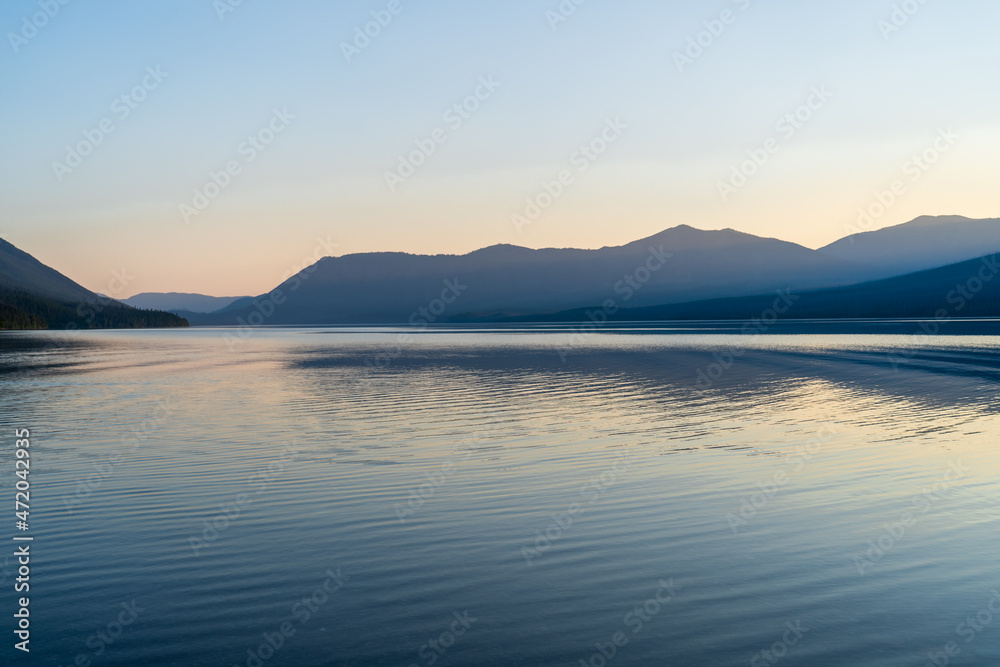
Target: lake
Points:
x,y
639,495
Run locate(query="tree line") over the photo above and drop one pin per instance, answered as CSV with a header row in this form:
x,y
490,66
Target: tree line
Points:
x,y
21,310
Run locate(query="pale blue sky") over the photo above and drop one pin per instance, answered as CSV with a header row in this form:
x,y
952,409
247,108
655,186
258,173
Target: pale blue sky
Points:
x,y
324,175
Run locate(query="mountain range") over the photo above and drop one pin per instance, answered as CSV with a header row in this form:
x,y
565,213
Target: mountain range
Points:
x,y
681,272
964,289
678,265
173,301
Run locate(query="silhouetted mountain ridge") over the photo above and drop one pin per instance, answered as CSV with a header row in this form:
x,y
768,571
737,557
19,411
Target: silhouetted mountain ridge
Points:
x,y
676,265
172,302
964,289
19,271
926,242
35,296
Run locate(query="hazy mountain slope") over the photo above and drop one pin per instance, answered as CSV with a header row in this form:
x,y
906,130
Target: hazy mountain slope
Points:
x,y
924,243
965,289
35,296
19,271
679,264
179,301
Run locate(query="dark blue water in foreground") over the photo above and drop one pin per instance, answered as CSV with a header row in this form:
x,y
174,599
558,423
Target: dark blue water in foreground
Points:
x,y
505,497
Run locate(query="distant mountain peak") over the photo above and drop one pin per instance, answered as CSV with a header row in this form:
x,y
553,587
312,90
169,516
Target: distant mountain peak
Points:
x,y
687,237
499,248
180,301
934,220
922,243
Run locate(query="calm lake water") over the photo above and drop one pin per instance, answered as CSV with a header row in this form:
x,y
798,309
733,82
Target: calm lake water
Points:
x,y
638,496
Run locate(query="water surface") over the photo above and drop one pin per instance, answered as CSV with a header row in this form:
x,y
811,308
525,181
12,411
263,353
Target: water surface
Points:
x,y
507,496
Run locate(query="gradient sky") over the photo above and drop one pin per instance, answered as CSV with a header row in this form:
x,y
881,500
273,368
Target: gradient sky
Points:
x,y
323,177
